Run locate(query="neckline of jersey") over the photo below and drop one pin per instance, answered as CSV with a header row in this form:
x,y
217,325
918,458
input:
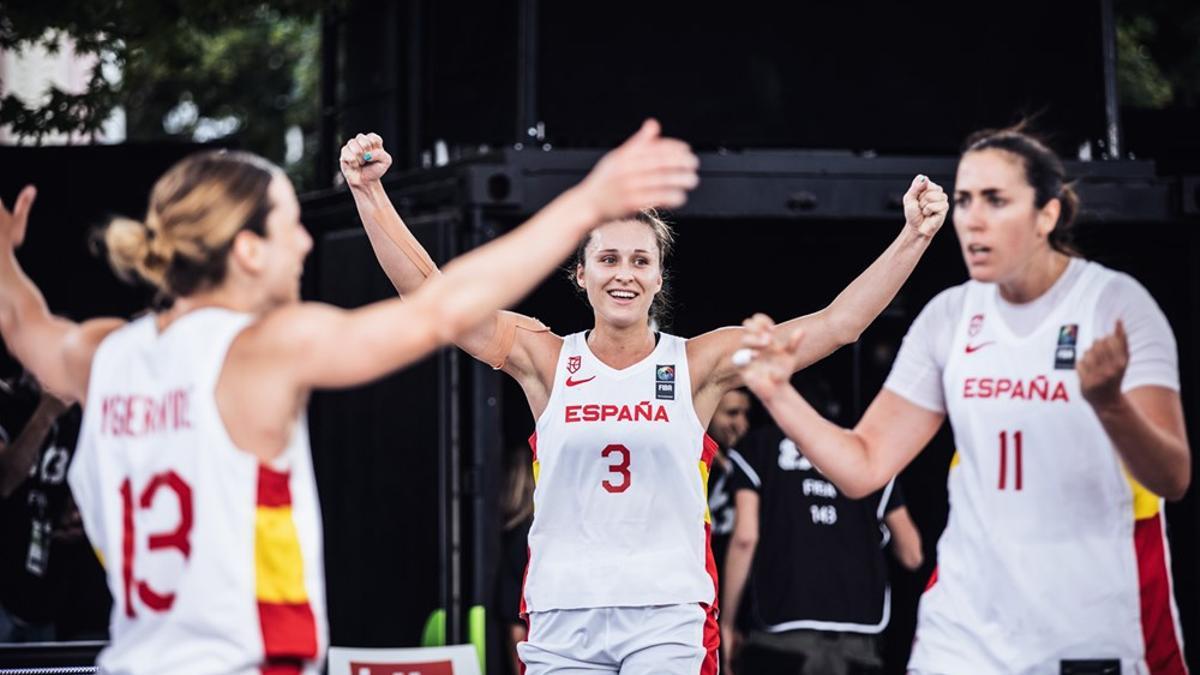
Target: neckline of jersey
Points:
x,y
1069,275
622,372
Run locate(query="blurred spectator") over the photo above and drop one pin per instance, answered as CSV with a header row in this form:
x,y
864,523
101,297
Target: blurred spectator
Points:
x,y
51,585
728,426
805,589
517,513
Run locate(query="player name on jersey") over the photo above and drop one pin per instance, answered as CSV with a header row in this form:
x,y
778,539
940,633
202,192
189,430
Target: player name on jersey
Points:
x,y
137,415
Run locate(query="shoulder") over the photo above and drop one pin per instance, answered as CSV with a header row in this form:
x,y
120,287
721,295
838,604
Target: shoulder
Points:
x,y
939,317
946,305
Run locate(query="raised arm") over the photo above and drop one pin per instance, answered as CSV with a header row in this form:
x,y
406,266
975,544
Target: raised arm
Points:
x,y
859,461
344,348
58,352
364,161
509,340
840,323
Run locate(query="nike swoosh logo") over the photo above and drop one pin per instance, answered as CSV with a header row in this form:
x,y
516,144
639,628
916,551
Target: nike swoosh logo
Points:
x,y
971,349
572,383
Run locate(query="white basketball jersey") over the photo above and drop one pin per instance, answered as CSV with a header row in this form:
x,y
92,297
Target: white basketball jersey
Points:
x,y
1052,552
213,558
621,467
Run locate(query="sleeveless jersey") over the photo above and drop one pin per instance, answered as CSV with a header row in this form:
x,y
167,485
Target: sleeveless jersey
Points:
x,y
1052,551
621,468
213,559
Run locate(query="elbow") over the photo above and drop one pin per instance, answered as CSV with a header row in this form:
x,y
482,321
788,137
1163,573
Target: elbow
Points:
x,y
1177,487
744,543
854,490
912,558
846,327
859,487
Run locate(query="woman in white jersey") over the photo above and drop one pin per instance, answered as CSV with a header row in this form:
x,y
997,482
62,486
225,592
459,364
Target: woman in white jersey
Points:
x,y
1060,380
620,576
193,473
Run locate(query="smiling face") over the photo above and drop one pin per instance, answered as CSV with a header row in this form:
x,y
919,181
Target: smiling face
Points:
x,y
1001,230
621,271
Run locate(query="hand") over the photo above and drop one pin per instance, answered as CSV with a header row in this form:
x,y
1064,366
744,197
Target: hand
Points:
x,y
1103,367
645,171
12,223
731,642
356,167
925,206
771,359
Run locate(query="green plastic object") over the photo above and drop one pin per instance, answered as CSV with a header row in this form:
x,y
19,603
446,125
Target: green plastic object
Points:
x,y
477,633
434,634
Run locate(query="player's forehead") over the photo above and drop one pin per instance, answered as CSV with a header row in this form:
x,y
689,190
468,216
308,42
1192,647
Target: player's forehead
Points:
x,y
623,236
990,170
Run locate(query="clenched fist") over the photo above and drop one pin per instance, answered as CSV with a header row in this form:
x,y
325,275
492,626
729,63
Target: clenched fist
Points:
x,y
1103,367
925,206
363,160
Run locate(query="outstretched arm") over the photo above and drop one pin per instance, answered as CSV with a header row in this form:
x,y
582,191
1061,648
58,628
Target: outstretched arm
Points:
x,y
859,461
58,352
840,323
333,348
508,340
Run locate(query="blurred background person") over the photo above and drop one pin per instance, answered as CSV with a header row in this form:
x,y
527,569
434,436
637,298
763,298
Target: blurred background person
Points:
x,y
517,514
805,590
51,585
727,427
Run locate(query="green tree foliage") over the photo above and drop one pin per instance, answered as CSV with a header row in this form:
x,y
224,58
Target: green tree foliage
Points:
x,y
192,70
1158,53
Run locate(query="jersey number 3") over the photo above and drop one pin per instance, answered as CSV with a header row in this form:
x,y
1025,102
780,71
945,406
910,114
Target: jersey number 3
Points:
x,y
178,538
621,468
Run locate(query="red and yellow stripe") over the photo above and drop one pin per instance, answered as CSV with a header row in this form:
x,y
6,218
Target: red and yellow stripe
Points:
x,y
289,629
1160,630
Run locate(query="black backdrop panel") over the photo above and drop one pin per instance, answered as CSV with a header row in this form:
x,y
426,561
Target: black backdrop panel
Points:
x,y
883,76
375,451
888,77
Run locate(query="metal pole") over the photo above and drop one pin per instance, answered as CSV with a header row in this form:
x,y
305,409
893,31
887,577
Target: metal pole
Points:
x,y
1112,113
413,86
449,468
486,447
330,20
528,126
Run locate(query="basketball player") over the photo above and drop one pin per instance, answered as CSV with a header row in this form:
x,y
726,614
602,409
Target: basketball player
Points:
x,y
1060,380
621,577
193,473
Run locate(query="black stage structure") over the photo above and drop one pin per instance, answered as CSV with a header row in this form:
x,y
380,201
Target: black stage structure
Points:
x,y
780,231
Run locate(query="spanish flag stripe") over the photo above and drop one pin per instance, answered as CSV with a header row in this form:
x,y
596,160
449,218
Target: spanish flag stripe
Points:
x,y
289,629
